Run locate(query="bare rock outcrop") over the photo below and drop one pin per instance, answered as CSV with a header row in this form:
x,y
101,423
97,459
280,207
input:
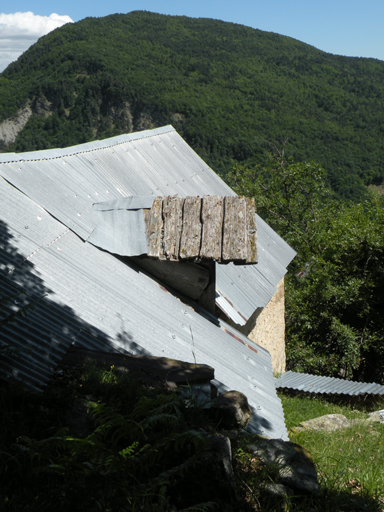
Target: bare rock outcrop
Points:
x,y
10,128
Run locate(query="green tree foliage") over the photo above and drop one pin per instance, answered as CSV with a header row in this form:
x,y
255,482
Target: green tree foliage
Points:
x,y
335,287
226,88
289,196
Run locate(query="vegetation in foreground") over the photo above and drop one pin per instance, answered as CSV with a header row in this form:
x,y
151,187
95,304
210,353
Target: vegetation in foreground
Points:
x,y
139,450
146,450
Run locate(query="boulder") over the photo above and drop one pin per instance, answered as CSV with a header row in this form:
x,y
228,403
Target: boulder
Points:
x,y
329,423
376,417
292,464
222,451
372,417
231,409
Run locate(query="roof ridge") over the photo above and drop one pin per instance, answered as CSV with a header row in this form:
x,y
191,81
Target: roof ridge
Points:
x,y
99,144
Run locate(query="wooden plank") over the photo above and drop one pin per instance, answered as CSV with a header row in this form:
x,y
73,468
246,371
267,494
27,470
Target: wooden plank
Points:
x,y
212,217
173,219
212,228
251,228
191,233
235,232
154,227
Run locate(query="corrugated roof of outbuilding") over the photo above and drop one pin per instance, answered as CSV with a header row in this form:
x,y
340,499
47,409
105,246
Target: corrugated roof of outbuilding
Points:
x,y
326,385
89,297
66,182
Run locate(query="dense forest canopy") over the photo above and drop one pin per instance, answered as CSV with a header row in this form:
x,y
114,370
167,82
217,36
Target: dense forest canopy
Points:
x,y
228,90
334,298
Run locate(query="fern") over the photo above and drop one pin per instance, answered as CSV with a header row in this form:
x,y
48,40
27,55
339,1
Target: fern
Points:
x,y
180,440
113,425
130,460
129,451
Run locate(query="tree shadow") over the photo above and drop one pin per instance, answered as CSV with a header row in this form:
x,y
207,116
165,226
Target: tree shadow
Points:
x,y
35,329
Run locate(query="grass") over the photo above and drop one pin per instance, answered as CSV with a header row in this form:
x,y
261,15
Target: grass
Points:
x,y
302,407
349,462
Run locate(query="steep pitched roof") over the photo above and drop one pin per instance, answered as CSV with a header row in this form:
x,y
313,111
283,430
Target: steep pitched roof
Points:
x,y
88,297
67,182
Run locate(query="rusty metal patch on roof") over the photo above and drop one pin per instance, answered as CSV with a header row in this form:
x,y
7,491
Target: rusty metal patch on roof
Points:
x,y
248,345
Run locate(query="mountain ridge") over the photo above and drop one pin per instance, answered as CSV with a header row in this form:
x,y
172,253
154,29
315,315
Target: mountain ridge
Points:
x,y
228,89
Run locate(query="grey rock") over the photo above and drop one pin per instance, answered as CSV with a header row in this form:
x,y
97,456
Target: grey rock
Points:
x,y
278,490
328,422
223,452
291,462
232,409
372,417
375,417
10,128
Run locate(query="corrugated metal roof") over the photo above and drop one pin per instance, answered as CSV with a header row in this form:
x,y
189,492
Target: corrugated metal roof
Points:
x,y
318,384
66,183
91,298
121,232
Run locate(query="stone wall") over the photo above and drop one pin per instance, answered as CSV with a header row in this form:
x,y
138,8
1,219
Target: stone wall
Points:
x,y
266,327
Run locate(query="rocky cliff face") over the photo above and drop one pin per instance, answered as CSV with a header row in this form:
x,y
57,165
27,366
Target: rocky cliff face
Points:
x,y
100,121
10,128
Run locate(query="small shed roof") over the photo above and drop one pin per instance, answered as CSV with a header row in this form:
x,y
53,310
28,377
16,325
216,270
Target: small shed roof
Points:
x,y
326,385
171,228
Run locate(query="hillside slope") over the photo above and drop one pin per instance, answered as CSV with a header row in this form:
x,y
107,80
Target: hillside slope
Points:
x,y
228,89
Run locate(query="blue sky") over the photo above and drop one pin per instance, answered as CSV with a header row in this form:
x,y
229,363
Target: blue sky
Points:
x,y
342,27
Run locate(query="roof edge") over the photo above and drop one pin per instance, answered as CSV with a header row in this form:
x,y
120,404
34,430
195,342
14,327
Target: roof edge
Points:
x,y
47,154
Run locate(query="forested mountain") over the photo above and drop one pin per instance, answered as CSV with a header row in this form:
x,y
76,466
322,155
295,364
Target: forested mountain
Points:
x,y
228,89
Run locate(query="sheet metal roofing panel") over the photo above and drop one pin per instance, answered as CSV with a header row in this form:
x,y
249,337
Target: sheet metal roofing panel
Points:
x,y
318,384
23,231
121,232
82,148
91,295
39,340
44,182
284,252
121,227
158,162
66,182
242,288
126,203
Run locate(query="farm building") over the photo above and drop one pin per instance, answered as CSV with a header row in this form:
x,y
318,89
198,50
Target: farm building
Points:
x,y
74,257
